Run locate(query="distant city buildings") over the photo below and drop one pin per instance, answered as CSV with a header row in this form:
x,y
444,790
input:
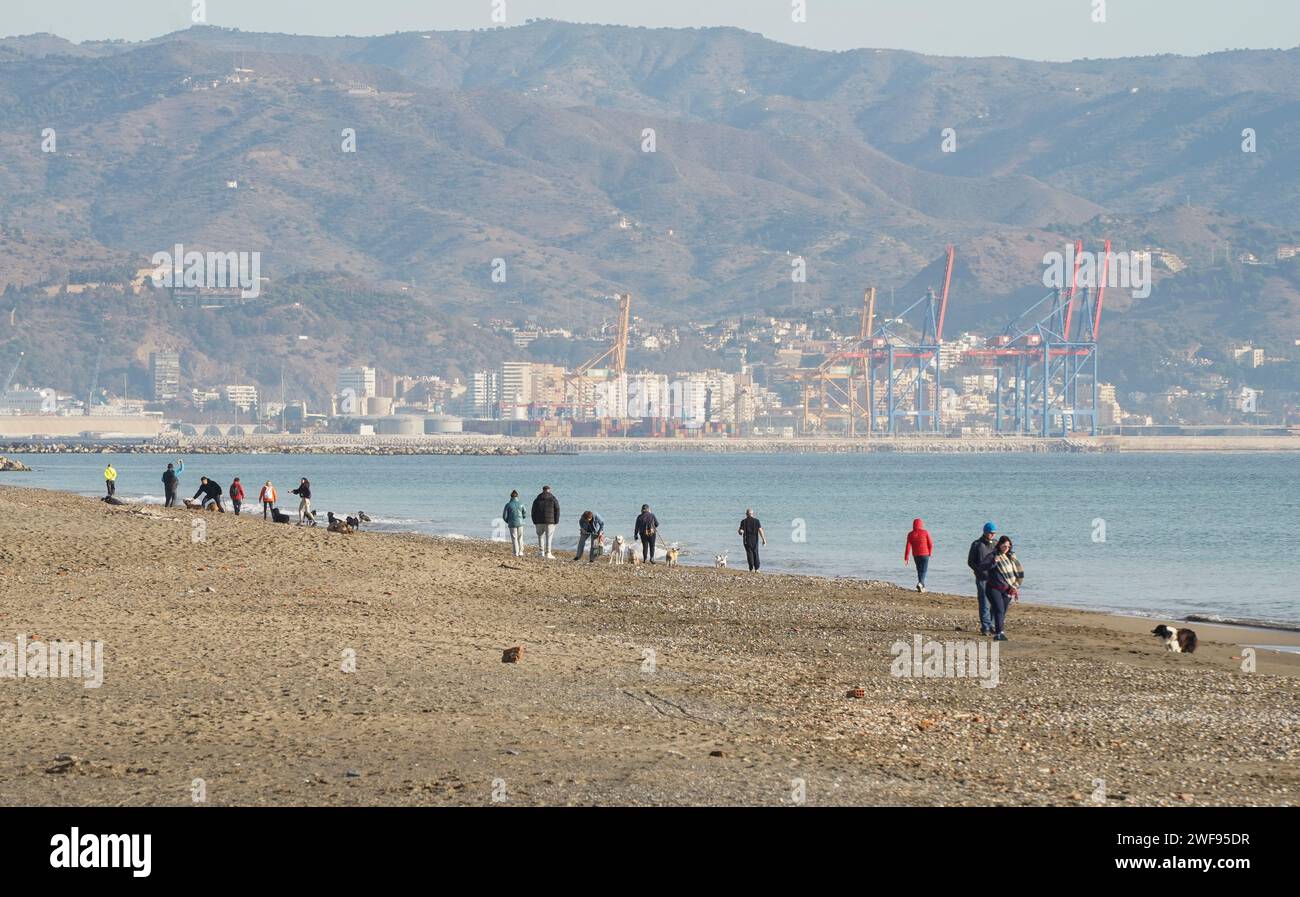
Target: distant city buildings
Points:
x,y
165,375
359,382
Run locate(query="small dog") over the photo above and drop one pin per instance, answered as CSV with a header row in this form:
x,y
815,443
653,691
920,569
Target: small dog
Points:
x,y
1178,641
672,555
720,561
355,522
632,557
616,555
338,526
192,505
278,516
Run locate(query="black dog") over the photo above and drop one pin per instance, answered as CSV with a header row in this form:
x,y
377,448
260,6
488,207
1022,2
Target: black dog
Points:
x,y
278,516
355,522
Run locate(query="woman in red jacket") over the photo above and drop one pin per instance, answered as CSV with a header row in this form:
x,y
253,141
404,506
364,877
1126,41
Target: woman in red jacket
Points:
x,y
921,547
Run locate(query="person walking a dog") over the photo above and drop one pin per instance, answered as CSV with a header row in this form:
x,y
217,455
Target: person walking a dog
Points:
x,y
304,501
977,558
514,514
211,492
237,495
110,480
751,534
647,528
546,516
921,546
171,483
267,497
590,527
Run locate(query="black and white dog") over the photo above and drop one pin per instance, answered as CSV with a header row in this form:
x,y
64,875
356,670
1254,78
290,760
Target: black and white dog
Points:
x,y
1179,641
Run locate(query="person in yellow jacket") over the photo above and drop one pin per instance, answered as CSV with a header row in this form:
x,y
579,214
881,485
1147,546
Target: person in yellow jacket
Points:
x,y
267,498
110,480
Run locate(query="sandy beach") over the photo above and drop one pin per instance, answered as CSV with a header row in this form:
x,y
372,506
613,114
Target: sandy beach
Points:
x,y
226,663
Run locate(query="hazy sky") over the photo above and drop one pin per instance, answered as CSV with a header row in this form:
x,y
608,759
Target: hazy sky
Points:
x,y
1034,29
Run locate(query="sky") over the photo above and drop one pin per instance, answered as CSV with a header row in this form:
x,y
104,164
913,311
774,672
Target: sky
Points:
x,y
1030,29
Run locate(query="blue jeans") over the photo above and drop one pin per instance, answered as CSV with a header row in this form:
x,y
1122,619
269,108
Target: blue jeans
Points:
x,y
922,564
986,614
998,602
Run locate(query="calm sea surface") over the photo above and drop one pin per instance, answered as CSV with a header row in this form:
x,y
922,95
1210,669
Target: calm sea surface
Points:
x,y
1167,535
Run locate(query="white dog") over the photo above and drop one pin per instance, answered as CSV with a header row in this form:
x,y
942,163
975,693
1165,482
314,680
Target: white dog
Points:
x,y
632,557
616,552
672,555
720,561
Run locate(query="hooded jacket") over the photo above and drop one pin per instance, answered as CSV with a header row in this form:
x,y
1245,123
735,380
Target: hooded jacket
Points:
x,y
513,513
267,494
918,541
236,491
593,527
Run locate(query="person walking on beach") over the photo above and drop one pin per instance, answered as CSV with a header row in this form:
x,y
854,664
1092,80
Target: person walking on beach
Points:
x,y
980,551
590,527
920,546
647,529
237,495
304,501
171,483
751,534
546,516
267,497
514,514
110,480
211,492
1005,574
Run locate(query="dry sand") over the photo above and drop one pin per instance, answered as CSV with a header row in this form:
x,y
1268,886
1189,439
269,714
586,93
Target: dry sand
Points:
x,y
243,687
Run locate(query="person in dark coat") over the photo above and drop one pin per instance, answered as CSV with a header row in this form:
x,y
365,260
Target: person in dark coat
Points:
x,y
977,558
546,516
647,530
211,492
751,534
171,484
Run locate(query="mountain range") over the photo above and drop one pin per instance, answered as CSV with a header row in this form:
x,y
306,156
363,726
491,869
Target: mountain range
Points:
x,y
524,151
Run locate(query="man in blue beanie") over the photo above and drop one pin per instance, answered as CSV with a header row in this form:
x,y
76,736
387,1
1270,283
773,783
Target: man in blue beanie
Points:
x,y
981,550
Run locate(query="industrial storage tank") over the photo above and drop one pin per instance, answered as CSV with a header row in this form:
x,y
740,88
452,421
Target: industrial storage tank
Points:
x,y
442,425
399,425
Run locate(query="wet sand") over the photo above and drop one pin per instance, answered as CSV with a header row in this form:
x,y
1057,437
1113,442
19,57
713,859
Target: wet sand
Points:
x,y
225,659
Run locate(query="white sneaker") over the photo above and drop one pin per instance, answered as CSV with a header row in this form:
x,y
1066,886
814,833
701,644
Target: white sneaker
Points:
x,y
550,557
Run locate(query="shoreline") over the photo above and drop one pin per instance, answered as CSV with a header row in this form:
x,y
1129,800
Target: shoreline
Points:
x,y
1226,624
291,666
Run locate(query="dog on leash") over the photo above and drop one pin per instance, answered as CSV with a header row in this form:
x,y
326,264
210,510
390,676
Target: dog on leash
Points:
x,y
720,561
672,555
1177,641
616,555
